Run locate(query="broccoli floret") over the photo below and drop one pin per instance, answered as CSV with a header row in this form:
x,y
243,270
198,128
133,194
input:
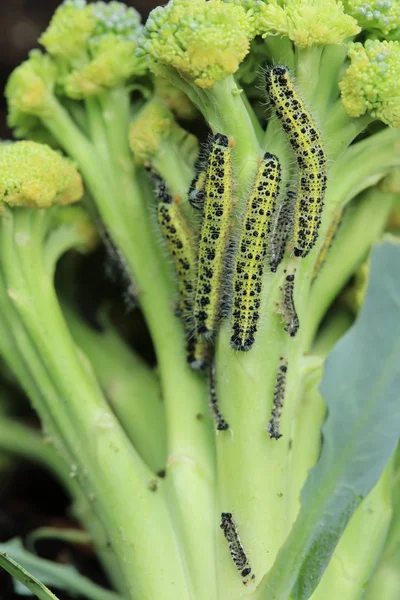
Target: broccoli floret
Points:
x,y
34,175
305,22
94,44
380,17
371,83
203,41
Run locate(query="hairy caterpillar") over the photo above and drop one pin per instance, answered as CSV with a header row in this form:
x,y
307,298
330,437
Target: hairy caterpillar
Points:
x,y
330,236
309,152
289,309
180,243
281,230
215,230
197,190
251,253
236,549
274,423
220,423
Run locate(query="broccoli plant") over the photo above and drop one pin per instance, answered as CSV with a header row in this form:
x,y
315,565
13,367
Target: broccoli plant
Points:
x,y
240,160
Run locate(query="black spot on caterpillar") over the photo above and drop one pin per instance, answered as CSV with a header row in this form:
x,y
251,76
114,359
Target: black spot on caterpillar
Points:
x,y
281,228
181,246
214,238
236,549
289,309
220,423
251,253
309,152
273,426
330,236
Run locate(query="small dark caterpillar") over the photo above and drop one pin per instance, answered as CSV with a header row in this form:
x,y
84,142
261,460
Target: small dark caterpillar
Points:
x,y
214,240
330,236
309,152
196,192
180,242
274,424
281,228
220,423
236,549
251,253
289,309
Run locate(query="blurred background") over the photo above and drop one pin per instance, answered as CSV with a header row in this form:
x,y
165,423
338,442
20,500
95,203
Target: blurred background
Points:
x,y
21,23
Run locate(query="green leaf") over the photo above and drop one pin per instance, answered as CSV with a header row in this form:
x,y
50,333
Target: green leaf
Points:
x,y
62,577
25,578
361,387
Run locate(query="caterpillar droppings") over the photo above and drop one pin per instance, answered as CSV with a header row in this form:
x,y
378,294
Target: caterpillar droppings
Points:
x,y
281,228
310,155
220,423
251,253
181,246
214,239
274,423
236,549
289,309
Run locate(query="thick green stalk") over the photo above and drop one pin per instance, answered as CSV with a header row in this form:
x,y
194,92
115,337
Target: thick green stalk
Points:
x,y
281,50
127,220
129,385
103,460
307,71
331,64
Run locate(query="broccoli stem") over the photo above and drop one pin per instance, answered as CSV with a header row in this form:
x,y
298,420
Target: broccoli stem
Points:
x,y
174,169
354,238
70,394
129,385
280,48
331,64
307,70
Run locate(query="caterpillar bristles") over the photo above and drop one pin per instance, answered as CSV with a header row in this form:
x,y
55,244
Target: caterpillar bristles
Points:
x,y
236,549
251,253
309,152
274,424
214,238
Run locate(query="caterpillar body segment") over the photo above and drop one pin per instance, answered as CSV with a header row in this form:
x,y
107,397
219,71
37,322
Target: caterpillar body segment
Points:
x,y
274,424
281,229
220,423
214,238
310,155
330,236
236,549
198,352
251,253
289,309
197,190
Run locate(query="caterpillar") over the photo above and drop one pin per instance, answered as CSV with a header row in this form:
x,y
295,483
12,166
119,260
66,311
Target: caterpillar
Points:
x,y
289,309
310,155
330,236
251,253
273,426
180,243
236,549
214,238
220,423
281,228
196,192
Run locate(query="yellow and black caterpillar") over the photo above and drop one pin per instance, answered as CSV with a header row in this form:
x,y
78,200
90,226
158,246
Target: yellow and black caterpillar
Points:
x,y
214,237
251,253
310,155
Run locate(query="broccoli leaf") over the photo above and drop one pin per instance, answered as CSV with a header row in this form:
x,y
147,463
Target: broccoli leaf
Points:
x,y
360,386
15,559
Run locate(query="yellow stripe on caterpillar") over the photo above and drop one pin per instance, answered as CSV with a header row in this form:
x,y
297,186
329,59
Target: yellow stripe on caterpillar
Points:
x,y
251,253
308,148
214,238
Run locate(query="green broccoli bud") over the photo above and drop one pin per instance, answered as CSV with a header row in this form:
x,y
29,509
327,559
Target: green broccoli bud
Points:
x,y
371,83
96,43
380,17
34,175
305,22
204,41
29,92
